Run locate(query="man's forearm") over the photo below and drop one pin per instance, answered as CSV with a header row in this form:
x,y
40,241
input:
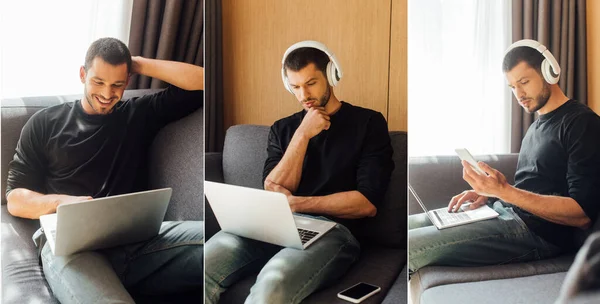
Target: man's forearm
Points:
x,y
25,203
557,209
182,75
349,204
288,171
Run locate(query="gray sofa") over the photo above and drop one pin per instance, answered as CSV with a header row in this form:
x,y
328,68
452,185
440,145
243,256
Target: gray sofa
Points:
x,y
383,256
436,179
176,160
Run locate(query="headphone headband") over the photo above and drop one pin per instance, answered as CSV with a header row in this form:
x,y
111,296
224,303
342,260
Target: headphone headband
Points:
x,y
334,69
550,67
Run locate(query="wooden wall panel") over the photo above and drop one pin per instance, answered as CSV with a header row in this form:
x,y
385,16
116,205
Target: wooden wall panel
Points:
x,y
593,53
256,34
398,105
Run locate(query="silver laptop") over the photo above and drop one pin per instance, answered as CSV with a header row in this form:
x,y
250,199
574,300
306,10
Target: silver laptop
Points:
x,y
262,215
441,218
105,222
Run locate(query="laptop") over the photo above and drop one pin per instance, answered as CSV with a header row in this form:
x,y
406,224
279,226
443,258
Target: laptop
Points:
x,y
262,215
441,218
105,222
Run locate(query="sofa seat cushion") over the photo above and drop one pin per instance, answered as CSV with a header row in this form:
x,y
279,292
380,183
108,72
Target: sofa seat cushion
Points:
x,y
542,288
398,294
434,276
377,265
22,277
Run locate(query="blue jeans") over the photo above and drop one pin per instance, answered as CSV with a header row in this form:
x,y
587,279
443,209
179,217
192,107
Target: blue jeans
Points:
x,y
168,263
502,240
286,275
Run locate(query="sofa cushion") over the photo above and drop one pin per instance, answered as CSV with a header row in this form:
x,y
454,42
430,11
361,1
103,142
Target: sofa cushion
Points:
x,y
379,266
530,289
434,276
244,155
176,160
22,277
398,294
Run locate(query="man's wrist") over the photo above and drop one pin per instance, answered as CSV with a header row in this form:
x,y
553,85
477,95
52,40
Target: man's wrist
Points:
x,y
137,63
301,135
507,194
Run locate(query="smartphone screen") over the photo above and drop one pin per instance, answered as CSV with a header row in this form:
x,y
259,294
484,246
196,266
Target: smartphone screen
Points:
x,y
465,155
358,291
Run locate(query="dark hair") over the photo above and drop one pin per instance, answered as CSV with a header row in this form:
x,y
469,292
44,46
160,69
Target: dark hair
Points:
x,y
299,58
523,53
110,50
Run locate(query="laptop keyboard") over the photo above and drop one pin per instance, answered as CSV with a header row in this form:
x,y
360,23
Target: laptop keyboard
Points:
x,y
451,218
306,235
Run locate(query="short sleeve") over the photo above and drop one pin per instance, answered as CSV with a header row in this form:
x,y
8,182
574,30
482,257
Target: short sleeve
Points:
x,y
583,171
28,167
375,165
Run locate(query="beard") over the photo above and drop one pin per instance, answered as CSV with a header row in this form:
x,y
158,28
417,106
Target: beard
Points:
x,y
541,99
323,100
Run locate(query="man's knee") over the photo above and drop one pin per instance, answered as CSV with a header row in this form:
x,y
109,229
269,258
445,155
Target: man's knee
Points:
x,y
273,287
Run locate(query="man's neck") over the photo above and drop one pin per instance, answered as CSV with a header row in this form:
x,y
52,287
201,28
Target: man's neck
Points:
x,y
333,105
557,99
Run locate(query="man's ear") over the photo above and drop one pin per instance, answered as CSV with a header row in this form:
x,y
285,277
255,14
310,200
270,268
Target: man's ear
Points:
x,y
82,74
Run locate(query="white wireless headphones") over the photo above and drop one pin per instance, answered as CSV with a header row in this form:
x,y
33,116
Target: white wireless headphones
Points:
x,y
333,72
550,68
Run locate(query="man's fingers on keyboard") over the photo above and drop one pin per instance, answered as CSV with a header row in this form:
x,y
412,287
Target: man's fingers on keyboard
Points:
x,y
478,203
455,199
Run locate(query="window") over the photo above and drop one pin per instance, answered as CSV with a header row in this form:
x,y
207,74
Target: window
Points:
x,y
458,96
44,42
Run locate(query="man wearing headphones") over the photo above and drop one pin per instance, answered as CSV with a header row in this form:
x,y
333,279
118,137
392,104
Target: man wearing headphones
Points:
x,y
557,181
333,161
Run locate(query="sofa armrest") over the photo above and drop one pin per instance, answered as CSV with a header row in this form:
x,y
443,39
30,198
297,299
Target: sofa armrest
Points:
x,y
213,166
437,178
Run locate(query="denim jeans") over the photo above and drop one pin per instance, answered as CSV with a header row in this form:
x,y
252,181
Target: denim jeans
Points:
x,y
167,263
502,240
286,275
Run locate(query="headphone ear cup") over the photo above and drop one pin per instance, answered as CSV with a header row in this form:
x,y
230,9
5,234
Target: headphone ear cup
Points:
x,y
331,77
548,74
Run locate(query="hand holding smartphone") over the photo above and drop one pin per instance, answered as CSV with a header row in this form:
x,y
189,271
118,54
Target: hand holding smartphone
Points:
x,y
358,292
466,156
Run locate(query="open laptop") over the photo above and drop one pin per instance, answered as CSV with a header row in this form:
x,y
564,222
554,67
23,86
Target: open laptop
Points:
x,y
105,222
441,218
262,215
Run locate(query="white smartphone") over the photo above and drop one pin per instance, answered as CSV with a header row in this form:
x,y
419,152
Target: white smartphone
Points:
x,y
466,156
358,292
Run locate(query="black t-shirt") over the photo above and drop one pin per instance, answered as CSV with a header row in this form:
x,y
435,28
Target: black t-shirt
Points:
x,y
63,150
560,155
354,154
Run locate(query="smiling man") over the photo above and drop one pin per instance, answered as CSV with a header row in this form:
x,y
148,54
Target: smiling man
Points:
x,y
97,147
557,181
332,160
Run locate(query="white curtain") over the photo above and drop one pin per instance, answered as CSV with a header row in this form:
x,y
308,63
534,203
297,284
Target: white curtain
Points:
x,y
44,42
457,94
